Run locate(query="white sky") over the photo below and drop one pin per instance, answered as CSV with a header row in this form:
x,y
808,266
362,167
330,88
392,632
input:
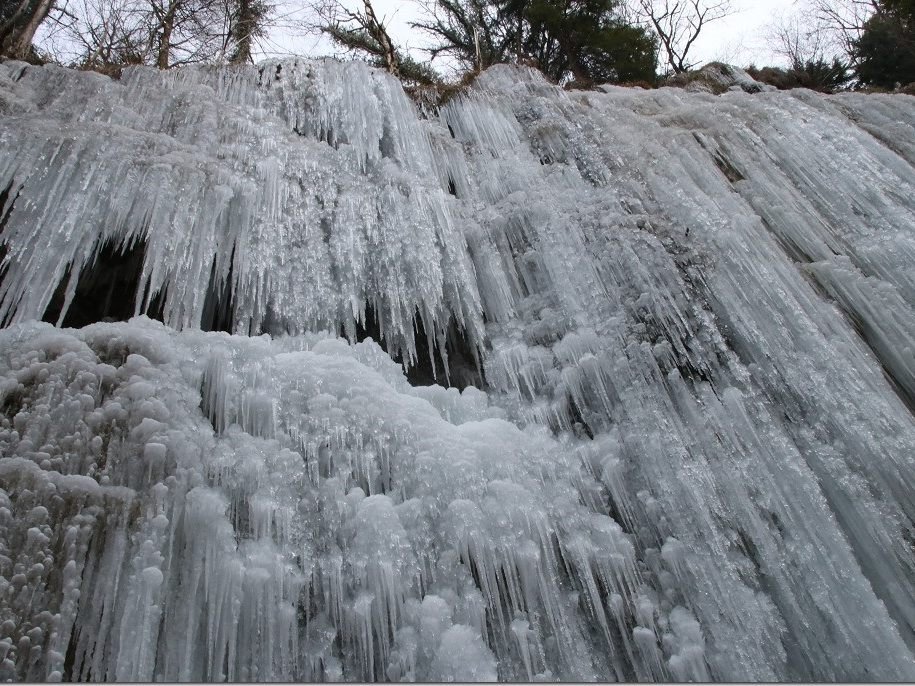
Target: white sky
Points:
x,y
741,37
738,39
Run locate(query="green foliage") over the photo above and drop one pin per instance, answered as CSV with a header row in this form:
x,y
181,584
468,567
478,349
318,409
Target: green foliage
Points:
x,y
361,41
19,20
475,33
902,9
885,52
816,74
824,76
618,54
248,21
355,40
586,41
417,73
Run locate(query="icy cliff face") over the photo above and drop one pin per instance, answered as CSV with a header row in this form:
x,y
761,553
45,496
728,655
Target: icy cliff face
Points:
x,y
690,453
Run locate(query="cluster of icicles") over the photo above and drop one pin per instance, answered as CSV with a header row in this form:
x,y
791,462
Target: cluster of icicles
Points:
x,y
692,455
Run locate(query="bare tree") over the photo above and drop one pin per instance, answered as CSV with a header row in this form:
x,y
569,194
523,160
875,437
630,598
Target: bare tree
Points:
x,y
109,34
187,31
362,32
797,39
678,23
96,34
359,31
814,60
843,20
470,32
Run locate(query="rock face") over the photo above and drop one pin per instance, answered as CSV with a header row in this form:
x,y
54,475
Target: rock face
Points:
x,y
683,325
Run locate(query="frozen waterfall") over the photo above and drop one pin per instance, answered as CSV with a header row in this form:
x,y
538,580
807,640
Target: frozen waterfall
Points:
x,y
674,337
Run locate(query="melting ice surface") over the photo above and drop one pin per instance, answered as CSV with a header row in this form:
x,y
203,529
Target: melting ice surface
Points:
x,y
693,456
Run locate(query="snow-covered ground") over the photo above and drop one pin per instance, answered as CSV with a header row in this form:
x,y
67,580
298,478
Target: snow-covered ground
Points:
x,y
693,456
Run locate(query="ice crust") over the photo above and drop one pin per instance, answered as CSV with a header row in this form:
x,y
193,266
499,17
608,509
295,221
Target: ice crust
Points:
x,y
693,458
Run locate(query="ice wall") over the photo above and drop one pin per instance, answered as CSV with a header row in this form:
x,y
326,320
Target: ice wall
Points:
x,y
693,457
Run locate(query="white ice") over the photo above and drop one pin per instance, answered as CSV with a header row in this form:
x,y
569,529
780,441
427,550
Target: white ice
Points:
x,y
693,456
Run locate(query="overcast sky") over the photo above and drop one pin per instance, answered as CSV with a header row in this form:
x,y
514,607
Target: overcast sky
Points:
x,y
741,37
738,39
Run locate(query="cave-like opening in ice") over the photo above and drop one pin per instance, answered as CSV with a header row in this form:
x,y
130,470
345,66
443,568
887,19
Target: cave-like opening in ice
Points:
x,y
452,361
219,305
106,289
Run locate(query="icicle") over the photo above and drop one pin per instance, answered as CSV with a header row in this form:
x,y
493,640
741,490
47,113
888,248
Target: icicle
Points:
x,y
685,464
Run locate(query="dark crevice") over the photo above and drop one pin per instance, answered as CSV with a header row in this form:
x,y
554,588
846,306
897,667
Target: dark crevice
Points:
x,y
861,328
70,658
156,309
5,211
580,426
240,516
749,549
907,398
730,172
213,394
219,304
386,146
871,340
788,246
52,312
428,369
106,289
12,403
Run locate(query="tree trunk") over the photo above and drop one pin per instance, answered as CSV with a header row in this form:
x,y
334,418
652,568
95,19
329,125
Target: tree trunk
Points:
x,y
376,28
165,36
18,24
243,32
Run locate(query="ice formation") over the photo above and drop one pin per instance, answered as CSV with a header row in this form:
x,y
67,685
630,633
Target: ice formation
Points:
x,y
684,325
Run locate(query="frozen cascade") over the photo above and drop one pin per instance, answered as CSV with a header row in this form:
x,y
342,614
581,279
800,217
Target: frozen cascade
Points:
x,y
692,458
